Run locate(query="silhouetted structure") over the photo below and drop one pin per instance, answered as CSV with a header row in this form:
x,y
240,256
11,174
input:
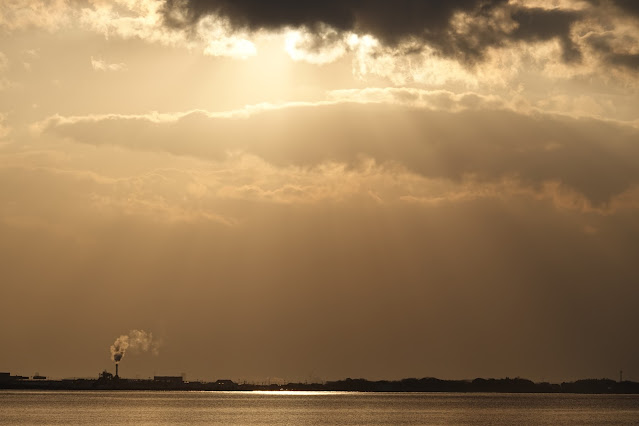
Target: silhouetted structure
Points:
x,y
106,381
226,384
172,380
105,376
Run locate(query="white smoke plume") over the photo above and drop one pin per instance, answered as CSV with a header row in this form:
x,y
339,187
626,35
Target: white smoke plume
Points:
x,y
136,340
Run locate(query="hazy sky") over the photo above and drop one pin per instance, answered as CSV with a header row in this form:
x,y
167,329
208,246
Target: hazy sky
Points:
x,y
314,190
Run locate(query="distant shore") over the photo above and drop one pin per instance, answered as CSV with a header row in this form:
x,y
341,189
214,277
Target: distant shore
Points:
x,y
507,385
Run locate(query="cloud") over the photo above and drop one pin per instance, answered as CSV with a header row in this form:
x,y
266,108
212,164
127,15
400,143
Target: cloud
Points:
x,y
157,195
51,15
440,100
4,128
591,157
461,28
144,20
456,34
4,65
390,22
141,19
626,6
320,47
472,42
102,65
614,49
537,24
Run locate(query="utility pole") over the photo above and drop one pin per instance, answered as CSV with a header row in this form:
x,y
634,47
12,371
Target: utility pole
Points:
x,y
620,376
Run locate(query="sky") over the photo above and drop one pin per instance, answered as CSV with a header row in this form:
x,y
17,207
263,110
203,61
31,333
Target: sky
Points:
x,y
284,190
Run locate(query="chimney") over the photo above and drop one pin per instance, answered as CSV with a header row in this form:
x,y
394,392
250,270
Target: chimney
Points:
x,y
116,371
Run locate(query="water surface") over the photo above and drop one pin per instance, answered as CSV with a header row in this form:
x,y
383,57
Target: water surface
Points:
x,y
312,408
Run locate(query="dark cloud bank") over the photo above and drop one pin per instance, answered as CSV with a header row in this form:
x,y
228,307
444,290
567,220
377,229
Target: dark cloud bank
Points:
x,y
416,21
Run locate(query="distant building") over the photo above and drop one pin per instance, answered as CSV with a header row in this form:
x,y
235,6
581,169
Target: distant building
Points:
x,y
105,375
173,380
39,377
226,384
7,377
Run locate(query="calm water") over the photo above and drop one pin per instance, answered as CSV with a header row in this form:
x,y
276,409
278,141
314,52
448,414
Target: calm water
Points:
x,y
310,408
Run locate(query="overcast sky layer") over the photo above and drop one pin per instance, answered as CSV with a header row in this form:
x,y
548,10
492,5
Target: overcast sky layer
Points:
x,y
285,190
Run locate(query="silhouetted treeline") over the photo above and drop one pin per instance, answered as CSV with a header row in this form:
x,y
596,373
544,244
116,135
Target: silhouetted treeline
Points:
x,y
507,385
600,386
429,384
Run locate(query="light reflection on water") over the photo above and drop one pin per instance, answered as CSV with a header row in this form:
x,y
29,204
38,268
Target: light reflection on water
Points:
x,y
312,408
297,393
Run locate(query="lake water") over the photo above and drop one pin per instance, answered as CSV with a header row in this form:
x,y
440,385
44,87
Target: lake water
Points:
x,y
312,408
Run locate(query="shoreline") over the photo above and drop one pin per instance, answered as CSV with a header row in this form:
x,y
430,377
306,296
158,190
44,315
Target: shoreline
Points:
x,y
430,385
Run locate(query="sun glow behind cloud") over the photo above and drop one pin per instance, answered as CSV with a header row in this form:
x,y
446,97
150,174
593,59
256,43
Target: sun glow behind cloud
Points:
x,y
325,47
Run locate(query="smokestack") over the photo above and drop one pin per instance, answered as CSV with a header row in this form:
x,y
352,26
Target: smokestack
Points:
x,y
116,370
